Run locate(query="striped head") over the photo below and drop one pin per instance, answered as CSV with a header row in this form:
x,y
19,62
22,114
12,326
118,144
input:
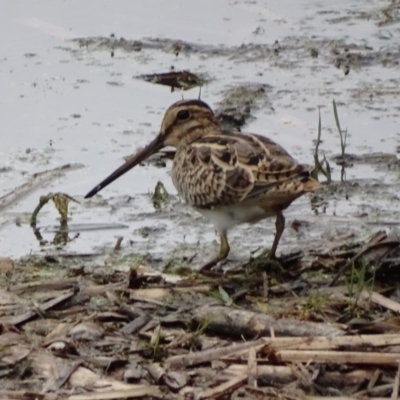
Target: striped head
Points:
x,y
183,122
186,121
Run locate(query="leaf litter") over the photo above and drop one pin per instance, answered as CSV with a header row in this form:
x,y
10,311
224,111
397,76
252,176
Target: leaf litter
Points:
x,y
295,330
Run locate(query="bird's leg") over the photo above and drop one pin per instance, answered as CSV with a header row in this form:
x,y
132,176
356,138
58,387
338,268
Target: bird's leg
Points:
x,y
280,226
223,252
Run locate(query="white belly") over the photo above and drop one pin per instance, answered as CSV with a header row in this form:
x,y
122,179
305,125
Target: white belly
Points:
x,y
225,218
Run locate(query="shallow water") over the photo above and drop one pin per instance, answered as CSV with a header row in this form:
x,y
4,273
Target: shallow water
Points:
x,y
62,103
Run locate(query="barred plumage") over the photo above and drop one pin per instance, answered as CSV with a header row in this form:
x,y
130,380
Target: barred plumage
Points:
x,y
229,177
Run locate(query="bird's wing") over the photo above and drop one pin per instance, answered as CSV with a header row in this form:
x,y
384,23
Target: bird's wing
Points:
x,y
231,168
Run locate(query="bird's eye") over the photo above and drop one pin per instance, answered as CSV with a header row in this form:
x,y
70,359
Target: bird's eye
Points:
x,y
182,115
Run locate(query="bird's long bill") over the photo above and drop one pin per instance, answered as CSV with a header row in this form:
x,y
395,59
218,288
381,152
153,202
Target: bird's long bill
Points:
x,y
150,149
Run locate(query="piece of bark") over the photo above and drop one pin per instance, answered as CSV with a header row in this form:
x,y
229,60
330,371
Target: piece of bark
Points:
x,y
243,323
136,325
102,387
45,285
19,319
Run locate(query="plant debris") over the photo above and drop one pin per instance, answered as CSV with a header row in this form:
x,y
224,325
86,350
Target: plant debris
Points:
x,y
184,80
60,201
160,196
148,334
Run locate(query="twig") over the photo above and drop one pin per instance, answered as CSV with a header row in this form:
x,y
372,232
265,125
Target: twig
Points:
x,y
118,243
372,382
120,394
201,357
332,343
252,368
383,301
395,392
224,388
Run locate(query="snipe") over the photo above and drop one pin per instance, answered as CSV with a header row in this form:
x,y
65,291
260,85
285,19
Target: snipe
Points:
x,y
229,177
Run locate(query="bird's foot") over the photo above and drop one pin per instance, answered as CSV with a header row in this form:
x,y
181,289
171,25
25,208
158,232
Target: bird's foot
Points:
x,y
206,269
282,262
